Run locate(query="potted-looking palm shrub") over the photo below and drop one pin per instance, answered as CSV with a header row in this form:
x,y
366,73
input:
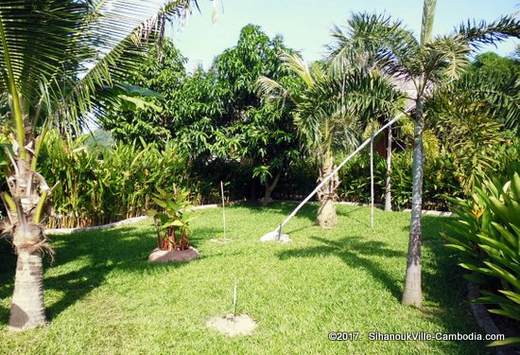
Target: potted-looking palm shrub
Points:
x,y
172,226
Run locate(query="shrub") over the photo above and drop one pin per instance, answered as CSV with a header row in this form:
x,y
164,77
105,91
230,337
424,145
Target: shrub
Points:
x,y
96,184
487,237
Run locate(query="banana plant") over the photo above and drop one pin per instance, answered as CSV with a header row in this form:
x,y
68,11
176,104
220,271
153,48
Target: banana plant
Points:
x,y
56,58
171,222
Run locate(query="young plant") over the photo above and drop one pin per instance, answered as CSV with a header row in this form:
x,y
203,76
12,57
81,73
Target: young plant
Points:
x,y
171,222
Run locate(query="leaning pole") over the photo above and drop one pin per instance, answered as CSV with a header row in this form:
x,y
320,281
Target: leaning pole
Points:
x,y
277,233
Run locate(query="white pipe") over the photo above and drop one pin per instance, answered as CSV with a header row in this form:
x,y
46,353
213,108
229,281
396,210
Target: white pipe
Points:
x,y
372,181
324,181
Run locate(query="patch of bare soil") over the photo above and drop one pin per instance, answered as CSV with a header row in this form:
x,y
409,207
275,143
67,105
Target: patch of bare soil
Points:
x,y
231,325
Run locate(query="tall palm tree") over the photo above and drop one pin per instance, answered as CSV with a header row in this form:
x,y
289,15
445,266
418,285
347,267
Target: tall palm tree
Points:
x,y
427,64
327,110
56,58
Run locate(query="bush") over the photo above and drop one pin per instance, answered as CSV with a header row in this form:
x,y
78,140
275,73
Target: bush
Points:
x,y
487,237
97,184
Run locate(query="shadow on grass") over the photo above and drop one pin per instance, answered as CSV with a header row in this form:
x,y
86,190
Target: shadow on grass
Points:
x,y
351,215
443,281
355,252
308,211
89,257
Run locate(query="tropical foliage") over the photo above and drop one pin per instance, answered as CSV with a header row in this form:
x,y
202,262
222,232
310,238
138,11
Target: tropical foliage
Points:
x,y
329,109
60,60
215,114
260,118
171,222
426,65
487,237
97,184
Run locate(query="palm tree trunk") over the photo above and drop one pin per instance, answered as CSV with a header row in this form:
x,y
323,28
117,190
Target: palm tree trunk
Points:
x,y
388,183
412,290
27,306
327,195
28,191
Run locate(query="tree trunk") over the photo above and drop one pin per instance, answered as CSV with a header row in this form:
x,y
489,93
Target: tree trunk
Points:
x,y
412,290
269,188
27,307
388,183
327,194
28,191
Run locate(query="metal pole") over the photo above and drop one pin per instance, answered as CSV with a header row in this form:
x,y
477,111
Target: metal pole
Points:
x,y
372,181
388,182
223,210
235,298
324,181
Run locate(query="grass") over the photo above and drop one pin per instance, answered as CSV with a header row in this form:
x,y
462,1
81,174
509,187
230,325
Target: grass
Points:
x,y
102,296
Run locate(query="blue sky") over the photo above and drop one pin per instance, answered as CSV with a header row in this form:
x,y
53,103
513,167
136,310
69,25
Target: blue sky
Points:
x,y
305,24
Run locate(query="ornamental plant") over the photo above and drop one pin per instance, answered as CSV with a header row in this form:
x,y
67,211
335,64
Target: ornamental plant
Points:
x,y
487,237
171,221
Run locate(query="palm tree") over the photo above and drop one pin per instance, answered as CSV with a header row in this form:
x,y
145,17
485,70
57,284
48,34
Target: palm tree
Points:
x,y
427,64
328,103
57,58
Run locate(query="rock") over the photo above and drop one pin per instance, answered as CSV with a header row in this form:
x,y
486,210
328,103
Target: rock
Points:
x,y
232,325
273,237
165,256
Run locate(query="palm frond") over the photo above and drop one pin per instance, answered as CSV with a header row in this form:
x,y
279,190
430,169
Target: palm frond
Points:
x,y
271,89
477,33
63,53
373,39
295,63
491,99
445,58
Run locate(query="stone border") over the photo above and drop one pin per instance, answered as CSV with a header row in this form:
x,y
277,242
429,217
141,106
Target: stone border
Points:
x,y
484,320
123,222
214,205
424,212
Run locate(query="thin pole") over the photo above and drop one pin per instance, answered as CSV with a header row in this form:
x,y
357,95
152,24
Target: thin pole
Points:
x,y
388,183
324,181
235,298
372,181
223,209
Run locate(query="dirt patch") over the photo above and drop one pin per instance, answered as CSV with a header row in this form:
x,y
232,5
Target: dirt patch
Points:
x,y
273,237
231,325
166,256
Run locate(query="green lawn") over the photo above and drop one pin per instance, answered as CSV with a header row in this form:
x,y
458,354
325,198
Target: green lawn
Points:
x,y
102,296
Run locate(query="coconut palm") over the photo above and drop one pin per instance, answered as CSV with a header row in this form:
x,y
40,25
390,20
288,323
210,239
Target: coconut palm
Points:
x,y
58,58
328,107
426,64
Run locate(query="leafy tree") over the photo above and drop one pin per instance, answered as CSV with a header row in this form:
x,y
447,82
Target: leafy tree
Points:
x,y
218,114
147,114
492,66
471,115
491,86
426,64
56,56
